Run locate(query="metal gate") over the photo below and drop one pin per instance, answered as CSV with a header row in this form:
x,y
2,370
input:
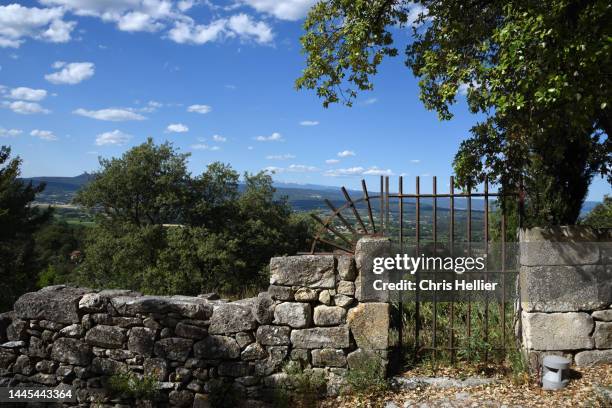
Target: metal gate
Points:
x,y
432,328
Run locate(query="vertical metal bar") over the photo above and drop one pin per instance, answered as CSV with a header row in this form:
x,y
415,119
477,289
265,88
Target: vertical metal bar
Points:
x,y
401,245
452,245
469,241
355,212
417,273
366,196
435,244
382,206
387,203
503,269
486,242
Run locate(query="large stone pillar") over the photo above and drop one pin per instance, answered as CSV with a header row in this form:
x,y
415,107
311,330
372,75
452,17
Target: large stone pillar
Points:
x,y
566,294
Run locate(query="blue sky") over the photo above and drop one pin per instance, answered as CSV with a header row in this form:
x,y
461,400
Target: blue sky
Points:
x,y
86,78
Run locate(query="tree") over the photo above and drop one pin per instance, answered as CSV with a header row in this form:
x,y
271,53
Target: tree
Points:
x,y
536,71
162,231
601,215
148,185
19,220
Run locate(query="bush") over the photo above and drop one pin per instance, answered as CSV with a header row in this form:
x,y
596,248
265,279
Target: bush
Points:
x,y
131,385
369,377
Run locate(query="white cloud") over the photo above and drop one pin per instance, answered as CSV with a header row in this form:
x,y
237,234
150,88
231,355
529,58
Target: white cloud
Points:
x,y
246,28
464,87
18,22
286,156
301,168
203,109
359,171
282,9
293,168
10,132
26,108
177,128
332,161
346,153
71,73
274,137
28,94
219,138
370,101
351,171
43,134
250,148
151,106
375,171
116,137
110,114
309,123
415,161
59,31
202,146
187,32
138,21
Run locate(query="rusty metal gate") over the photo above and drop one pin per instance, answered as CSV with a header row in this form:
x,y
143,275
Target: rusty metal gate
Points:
x,y
432,328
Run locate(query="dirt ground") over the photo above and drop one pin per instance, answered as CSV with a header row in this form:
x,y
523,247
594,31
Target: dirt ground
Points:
x,y
505,392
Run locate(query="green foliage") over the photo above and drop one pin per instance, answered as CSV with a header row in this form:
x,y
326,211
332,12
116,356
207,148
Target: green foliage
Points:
x,y
536,71
57,252
368,378
601,215
19,220
187,234
130,385
307,386
519,367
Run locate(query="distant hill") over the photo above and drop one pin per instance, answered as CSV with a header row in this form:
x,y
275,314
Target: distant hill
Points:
x,y
303,197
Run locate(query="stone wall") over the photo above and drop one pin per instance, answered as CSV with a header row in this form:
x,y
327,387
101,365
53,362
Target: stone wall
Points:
x,y
566,294
193,345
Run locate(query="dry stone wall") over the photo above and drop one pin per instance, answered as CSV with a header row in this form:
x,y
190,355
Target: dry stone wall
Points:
x,y
566,294
193,346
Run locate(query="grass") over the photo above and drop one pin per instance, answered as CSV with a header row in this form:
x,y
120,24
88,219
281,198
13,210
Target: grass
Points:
x,y
477,332
130,385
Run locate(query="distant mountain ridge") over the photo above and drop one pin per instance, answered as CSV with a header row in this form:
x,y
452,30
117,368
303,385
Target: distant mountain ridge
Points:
x,y
304,197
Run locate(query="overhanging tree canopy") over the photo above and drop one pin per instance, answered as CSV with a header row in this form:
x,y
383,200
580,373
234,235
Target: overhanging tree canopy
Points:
x,y
538,70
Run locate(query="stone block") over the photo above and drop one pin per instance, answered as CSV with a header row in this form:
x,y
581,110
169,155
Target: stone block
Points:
x,y
106,336
313,271
593,357
173,348
557,331
604,315
234,369
346,267
366,250
584,288
190,331
343,301
346,288
55,303
280,292
603,335
305,295
329,315
253,351
217,347
369,324
325,297
189,307
293,314
263,308
71,351
273,335
141,340
328,357
321,337
231,318
156,368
